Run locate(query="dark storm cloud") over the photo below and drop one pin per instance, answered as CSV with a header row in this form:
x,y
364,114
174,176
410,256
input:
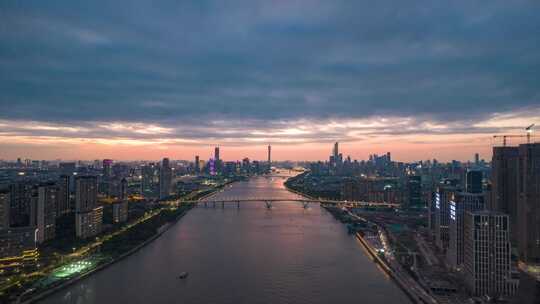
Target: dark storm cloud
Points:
x,y
177,64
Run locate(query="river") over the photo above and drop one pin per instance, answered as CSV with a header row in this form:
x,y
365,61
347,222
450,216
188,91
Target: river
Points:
x,y
250,254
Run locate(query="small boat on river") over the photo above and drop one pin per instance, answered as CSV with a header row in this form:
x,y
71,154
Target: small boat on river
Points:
x,y
183,275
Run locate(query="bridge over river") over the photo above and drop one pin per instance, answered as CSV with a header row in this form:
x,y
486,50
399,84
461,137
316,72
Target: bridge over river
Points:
x,y
270,200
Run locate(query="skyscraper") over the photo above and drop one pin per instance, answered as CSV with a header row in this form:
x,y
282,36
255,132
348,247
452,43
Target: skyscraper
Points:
x,y
165,179
269,158
21,210
85,193
504,185
107,168
63,199
461,203
216,154
473,181
487,254
197,164
414,186
46,212
443,196
88,216
4,209
528,187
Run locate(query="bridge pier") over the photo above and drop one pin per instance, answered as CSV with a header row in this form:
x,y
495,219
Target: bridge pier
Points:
x,y
214,205
205,205
238,204
305,205
222,205
268,204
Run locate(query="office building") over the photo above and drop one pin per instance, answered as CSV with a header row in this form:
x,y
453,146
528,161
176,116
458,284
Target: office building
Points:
x,y
165,179
107,168
461,203
63,205
46,212
22,207
269,158
4,209
414,191
473,181
528,217
443,196
197,165
487,254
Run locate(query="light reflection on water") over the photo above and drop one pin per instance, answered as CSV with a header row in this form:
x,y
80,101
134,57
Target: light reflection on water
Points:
x,y
248,255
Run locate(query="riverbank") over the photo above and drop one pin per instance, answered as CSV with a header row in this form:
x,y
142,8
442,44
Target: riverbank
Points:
x,y
386,268
43,294
82,276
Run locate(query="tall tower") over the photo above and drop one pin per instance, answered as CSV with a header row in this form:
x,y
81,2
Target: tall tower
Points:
x,y
336,150
269,157
165,179
216,154
197,164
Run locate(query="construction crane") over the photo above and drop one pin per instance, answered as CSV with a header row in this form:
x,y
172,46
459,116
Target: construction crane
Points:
x,y
504,137
528,129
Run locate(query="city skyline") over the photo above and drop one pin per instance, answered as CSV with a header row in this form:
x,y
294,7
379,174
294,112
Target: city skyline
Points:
x,y
92,80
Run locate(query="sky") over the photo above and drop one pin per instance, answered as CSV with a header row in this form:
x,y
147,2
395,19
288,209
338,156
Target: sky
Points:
x,y
152,79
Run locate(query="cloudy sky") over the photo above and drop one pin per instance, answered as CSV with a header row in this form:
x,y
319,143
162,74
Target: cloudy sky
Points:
x,y
422,79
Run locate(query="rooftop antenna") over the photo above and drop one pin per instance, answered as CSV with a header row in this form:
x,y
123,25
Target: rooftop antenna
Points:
x,y
529,130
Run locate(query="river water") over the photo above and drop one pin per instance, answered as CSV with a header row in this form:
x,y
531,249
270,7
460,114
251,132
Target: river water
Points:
x,y
250,254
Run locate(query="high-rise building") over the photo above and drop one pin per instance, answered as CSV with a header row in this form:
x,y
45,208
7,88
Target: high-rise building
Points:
x,y
197,164
4,209
269,158
46,212
88,217
476,159
63,205
89,224
443,196
67,168
461,203
528,217
487,254
504,185
107,168
473,181
85,193
149,180
414,187
165,179
22,210
216,154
